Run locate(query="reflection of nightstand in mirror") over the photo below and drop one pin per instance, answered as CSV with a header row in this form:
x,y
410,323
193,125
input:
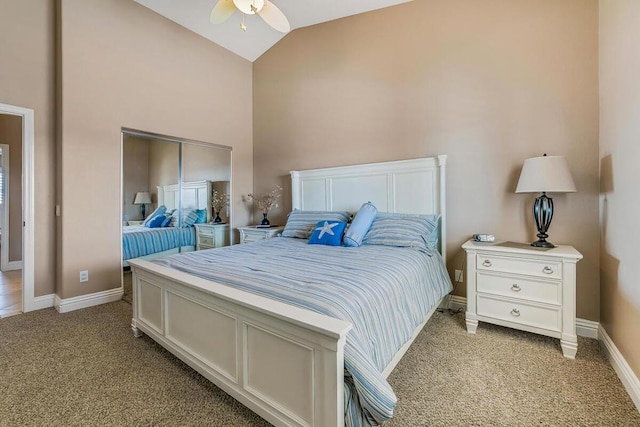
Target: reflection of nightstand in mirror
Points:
x,y
252,233
209,236
135,222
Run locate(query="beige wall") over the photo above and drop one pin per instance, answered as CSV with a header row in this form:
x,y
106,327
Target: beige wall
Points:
x,y
11,135
619,156
135,175
200,162
489,83
27,79
122,65
164,161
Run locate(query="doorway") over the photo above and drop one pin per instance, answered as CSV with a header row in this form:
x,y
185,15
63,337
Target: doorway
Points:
x,y
10,217
16,219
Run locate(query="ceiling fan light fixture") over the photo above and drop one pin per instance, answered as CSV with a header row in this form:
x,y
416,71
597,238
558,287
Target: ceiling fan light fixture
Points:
x,y
249,7
268,11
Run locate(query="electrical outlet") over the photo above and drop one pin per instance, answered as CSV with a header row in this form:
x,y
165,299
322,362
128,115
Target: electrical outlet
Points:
x,y
84,276
459,276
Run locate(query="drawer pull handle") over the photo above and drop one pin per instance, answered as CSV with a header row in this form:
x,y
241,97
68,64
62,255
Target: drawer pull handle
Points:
x,y
515,312
486,263
547,270
516,288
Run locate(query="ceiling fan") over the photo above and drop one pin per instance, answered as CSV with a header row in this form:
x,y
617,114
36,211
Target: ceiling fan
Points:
x,y
263,8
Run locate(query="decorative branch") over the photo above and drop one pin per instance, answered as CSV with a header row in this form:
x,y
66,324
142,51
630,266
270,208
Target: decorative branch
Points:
x,y
266,201
219,201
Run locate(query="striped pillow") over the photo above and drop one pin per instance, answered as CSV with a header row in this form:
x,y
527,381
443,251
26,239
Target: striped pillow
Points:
x,y
404,230
189,217
301,224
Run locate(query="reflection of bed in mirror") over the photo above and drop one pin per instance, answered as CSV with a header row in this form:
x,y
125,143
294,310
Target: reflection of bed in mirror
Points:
x,y
139,241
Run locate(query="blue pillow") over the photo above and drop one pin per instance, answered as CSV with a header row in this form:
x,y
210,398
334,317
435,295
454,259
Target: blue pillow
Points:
x,y
160,211
360,225
166,221
156,221
300,224
328,233
202,216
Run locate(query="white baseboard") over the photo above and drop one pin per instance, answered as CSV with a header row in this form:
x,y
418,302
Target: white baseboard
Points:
x,y
13,265
456,302
587,328
83,301
628,378
43,301
584,328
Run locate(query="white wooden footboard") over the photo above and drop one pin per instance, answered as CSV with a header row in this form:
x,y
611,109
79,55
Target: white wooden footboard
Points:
x,y
284,363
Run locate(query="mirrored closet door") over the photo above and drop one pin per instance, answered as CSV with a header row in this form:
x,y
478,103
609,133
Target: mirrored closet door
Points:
x,y
175,195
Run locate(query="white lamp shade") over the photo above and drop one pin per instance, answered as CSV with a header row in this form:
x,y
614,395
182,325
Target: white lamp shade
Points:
x,y
142,198
546,174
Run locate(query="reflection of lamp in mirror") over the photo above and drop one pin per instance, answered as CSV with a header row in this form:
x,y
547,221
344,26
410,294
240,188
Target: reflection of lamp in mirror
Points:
x,y
142,198
545,174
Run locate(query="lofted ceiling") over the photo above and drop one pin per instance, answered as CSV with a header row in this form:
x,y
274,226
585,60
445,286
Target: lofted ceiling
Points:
x,y
259,37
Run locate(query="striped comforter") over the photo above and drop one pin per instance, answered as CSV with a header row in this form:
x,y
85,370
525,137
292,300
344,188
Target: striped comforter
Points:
x,y
385,292
138,240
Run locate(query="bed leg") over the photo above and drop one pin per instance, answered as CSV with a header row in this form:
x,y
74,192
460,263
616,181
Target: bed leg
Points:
x,y
134,327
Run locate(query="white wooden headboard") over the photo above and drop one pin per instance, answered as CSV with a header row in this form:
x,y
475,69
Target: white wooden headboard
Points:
x,y
195,195
407,186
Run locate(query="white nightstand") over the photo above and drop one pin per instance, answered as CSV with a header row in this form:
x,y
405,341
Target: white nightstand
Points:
x,y
252,233
210,236
136,222
518,286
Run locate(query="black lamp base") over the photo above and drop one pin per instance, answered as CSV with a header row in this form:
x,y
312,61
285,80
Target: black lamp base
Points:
x,y
543,213
542,244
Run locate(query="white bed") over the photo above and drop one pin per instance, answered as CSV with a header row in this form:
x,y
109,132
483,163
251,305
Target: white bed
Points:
x,y
195,195
235,338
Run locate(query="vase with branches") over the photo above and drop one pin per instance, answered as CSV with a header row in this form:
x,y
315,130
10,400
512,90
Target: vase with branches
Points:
x,y
265,202
219,201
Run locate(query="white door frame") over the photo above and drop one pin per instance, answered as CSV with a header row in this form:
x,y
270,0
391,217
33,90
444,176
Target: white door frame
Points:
x,y
5,264
28,204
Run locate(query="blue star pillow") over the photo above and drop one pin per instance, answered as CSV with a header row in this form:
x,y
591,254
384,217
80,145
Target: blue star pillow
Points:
x,y
328,233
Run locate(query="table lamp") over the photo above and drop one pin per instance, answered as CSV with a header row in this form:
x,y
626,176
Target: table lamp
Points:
x,y
142,198
541,175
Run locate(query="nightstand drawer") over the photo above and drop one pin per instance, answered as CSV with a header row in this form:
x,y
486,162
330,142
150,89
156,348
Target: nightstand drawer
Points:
x,y
207,240
521,313
206,231
530,267
251,237
518,287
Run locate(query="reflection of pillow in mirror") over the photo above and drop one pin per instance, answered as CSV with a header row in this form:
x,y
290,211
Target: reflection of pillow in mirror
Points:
x,y
188,218
166,221
156,221
202,216
160,210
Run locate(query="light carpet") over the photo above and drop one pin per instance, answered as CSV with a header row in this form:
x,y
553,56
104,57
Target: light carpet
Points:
x,y
86,368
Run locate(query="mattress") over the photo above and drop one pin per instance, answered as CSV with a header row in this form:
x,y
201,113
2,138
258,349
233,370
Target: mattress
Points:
x,y
385,292
138,240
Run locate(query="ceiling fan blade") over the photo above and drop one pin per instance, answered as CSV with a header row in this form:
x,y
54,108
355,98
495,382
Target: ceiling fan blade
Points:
x,y
274,17
222,11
